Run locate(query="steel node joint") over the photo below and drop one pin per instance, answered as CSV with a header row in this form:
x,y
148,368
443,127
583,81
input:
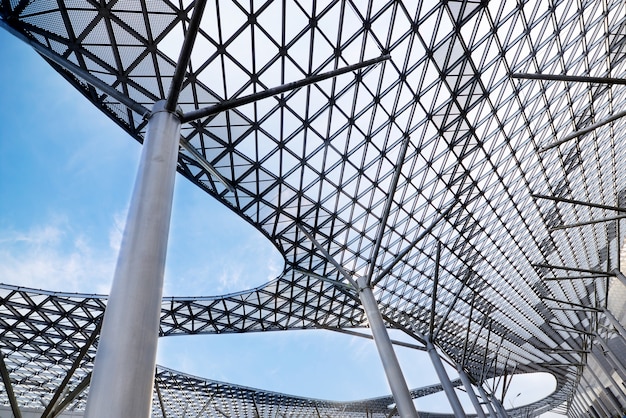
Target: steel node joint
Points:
x,y
362,284
161,107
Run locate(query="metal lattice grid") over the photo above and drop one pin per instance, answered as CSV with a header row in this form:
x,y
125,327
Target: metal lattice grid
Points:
x,y
443,116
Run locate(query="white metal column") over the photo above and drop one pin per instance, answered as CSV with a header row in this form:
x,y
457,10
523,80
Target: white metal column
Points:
x,y
470,391
123,375
457,409
397,383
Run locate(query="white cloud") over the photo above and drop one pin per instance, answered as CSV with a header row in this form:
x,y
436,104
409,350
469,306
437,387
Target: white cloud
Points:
x,y
117,230
55,257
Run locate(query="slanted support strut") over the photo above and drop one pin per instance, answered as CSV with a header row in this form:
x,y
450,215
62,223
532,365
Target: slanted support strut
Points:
x,y
487,401
500,408
457,409
399,388
123,374
470,391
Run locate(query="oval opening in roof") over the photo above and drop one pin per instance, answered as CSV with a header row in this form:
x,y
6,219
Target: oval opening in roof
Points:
x,y
213,251
319,364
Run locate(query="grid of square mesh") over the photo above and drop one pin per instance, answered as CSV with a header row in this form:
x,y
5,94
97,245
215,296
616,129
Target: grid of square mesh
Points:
x,y
323,158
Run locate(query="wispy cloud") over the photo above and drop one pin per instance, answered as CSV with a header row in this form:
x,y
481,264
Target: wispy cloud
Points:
x,y
55,256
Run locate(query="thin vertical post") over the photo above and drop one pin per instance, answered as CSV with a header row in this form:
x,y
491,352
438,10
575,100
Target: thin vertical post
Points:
x,y
457,409
397,383
123,374
470,391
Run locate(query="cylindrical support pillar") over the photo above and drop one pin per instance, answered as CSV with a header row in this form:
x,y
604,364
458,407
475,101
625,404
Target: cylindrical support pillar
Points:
x,y
470,392
457,409
487,400
123,374
397,383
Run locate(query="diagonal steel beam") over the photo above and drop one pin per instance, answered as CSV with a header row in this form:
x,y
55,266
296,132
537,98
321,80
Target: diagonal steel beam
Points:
x,y
70,372
368,336
569,78
591,276
231,104
578,202
593,222
559,308
382,228
616,324
221,412
71,396
578,305
581,79
206,405
484,362
619,275
185,55
329,257
158,391
591,127
407,331
579,270
199,158
80,72
412,245
570,328
324,278
8,387
457,295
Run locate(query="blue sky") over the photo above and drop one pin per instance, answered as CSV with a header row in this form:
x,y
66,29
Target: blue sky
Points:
x,y
66,174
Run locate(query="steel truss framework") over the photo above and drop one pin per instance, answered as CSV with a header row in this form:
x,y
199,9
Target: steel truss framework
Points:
x,y
434,163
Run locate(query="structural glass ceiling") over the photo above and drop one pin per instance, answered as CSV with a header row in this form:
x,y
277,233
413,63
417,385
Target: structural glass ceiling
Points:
x,y
426,172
